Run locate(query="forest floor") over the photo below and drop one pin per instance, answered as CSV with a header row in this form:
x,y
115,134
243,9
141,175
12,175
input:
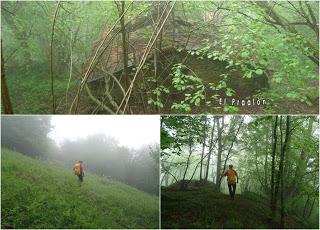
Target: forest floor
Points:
x,y
33,96
204,208
36,194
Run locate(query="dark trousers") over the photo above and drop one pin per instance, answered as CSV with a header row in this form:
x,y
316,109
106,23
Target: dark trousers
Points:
x,y
232,189
80,176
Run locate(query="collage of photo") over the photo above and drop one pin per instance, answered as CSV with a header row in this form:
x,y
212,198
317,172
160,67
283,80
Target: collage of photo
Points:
x,y
160,114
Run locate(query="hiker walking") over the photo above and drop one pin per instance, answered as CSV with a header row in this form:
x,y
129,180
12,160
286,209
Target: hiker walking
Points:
x,y
231,175
78,169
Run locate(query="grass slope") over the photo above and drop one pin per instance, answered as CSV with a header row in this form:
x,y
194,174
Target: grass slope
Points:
x,y
40,195
204,208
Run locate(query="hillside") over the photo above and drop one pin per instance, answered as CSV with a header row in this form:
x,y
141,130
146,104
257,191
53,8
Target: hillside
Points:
x,y
41,195
204,208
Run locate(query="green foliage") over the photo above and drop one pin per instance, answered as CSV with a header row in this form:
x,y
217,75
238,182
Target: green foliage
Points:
x,y
196,92
177,132
242,36
230,109
157,92
258,48
26,35
32,96
38,194
27,134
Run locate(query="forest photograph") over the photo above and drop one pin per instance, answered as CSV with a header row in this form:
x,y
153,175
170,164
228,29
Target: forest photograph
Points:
x,y
159,57
80,172
239,172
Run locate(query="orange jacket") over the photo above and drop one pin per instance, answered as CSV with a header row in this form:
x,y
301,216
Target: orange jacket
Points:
x,y
231,174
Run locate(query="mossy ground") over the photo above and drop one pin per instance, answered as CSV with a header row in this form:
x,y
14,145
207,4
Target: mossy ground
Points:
x,y
204,208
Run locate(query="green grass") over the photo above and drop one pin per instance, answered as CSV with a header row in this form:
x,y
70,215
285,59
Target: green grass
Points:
x,y
31,94
39,194
204,208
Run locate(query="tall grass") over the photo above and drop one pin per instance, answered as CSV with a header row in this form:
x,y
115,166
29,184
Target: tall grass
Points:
x,y
39,195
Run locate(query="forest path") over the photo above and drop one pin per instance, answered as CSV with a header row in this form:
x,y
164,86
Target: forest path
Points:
x,y
204,208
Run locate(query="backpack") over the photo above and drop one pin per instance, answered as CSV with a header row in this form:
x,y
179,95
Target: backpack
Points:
x,y
77,169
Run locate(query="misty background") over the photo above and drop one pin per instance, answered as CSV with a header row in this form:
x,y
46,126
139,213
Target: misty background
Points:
x,y
122,148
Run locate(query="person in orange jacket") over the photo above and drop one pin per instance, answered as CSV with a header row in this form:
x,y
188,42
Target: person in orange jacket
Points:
x,y
78,169
232,178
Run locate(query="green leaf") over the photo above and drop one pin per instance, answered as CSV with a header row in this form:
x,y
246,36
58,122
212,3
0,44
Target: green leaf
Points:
x,y
248,74
230,109
229,92
263,62
244,54
259,71
197,101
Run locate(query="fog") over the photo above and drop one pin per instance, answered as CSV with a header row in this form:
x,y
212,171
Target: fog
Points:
x,y
120,148
130,131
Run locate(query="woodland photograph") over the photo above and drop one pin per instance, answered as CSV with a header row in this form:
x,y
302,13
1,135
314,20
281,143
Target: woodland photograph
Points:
x,y
159,57
239,172
80,172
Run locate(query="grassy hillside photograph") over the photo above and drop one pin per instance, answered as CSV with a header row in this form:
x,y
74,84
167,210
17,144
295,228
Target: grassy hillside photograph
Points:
x,y
239,172
79,172
160,57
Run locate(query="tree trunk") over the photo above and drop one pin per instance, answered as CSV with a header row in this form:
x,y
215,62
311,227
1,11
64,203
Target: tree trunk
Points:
x,y
311,207
183,182
301,166
266,188
278,176
52,57
173,176
306,206
281,169
125,51
210,152
273,154
203,145
173,29
257,171
6,102
315,181
219,127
